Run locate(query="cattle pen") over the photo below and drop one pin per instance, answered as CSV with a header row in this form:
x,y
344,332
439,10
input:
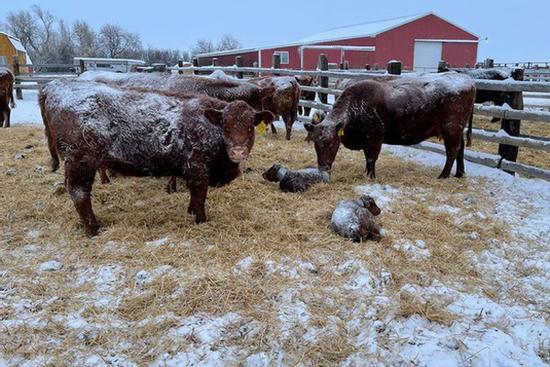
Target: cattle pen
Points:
x,y
458,279
508,137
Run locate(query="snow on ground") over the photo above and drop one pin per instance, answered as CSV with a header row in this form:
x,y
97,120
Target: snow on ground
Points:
x,y
27,110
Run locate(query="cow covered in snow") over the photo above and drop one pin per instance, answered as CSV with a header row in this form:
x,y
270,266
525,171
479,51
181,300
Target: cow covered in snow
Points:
x,y
284,101
355,219
224,89
93,126
6,96
295,181
404,111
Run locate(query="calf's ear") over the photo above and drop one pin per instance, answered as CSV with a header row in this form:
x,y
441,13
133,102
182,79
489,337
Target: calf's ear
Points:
x,y
214,116
264,116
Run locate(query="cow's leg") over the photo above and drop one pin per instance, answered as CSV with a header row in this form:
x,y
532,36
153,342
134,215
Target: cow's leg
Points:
x,y
288,126
460,160
171,186
79,179
273,128
371,155
452,148
104,177
6,114
196,203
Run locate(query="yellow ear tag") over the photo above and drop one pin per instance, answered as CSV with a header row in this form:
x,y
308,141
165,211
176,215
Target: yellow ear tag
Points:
x,y
261,127
341,132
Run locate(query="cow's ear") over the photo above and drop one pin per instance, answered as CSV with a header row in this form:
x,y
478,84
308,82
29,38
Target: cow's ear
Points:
x,y
214,116
309,127
264,116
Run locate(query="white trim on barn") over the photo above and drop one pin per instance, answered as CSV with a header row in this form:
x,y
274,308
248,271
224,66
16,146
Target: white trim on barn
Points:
x,y
445,40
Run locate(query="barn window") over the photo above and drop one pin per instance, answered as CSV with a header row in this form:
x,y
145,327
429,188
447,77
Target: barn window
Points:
x,y
284,56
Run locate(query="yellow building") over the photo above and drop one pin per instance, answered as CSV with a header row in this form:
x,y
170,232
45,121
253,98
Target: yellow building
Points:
x,y
10,47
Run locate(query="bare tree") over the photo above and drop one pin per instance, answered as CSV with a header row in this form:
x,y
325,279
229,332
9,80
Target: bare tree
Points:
x,y
203,46
23,25
228,42
64,44
85,39
116,42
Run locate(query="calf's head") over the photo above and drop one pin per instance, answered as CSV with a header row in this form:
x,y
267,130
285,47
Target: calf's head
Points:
x,y
238,120
326,138
370,205
272,174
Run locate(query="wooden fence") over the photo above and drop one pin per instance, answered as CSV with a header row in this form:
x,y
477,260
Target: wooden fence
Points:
x,y
508,138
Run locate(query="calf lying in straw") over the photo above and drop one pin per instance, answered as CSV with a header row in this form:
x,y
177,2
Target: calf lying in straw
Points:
x,y
295,181
355,219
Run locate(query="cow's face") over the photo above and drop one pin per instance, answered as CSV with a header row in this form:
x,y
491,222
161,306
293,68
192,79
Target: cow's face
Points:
x,y
238,120
370,205
326,140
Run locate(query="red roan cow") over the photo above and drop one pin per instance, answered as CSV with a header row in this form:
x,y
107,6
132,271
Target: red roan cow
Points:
x,y
6,96
285,99
93,126
402,111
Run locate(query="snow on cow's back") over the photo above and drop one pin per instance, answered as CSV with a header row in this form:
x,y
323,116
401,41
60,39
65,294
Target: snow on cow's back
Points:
x,y
103,105
432,84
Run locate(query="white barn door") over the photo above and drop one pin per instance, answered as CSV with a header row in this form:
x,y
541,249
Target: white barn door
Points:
x,y
427,55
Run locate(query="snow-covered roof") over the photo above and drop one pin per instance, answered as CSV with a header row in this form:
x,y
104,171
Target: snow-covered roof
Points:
x,y
367,29
76,60
15,42
361,30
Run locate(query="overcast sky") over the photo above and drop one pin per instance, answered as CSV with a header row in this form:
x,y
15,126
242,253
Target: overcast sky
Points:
x,y
516,31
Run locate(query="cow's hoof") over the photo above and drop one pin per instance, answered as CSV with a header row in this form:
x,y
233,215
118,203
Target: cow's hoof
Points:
x,y
459,174
200,219
92,231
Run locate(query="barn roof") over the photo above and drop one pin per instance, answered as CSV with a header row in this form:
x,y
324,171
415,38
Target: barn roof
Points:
x,y
368,29
361,30
15,42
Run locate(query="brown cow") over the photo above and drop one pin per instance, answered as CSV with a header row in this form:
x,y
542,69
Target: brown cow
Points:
x,y
93,126
308,81
402,111
223,88
6,96
284,101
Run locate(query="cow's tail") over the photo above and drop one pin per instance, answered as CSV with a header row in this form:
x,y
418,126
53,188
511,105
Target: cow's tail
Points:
x,y
54,154
12,100
469,132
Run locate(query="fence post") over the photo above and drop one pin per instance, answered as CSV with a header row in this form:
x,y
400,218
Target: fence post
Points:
x,y
346,65
276,62
16,72
215,61
376,67
394,67
512,127
442,67
180,65
367,67
323,81
489,63
239,64
196,65
82,66
255,65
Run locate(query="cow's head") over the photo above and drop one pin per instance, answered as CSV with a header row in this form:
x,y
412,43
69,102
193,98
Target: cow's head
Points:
x,y
325,136
370,205
238,120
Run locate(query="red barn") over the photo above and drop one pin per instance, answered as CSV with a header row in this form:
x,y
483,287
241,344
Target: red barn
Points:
x,y
418,41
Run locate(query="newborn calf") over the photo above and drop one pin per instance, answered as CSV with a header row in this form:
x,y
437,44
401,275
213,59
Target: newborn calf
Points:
x,y
295,181
355,219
